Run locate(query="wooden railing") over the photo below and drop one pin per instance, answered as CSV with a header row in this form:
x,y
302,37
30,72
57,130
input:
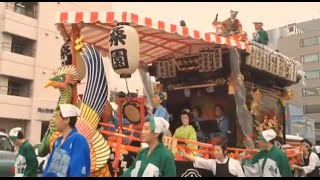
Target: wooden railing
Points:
x,y
204,150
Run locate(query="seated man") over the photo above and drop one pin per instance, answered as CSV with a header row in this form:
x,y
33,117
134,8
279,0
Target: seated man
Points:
x,y
223,123
196,112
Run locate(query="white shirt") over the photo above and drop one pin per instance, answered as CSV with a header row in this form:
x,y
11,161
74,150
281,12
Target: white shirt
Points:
x,y
210,164
313,163
20,166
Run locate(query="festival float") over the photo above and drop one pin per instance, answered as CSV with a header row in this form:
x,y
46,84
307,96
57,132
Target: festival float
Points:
x,y
198,69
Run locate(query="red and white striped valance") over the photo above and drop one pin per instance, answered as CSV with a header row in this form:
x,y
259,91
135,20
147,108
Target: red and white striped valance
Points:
x,y
110,17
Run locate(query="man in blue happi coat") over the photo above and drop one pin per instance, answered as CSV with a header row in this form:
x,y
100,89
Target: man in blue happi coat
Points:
x,y
158,109
70,155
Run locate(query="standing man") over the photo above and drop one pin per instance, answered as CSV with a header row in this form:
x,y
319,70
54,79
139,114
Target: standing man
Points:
x,y
261,35
270,161
70,155
221,165
26,162
158,109
155,160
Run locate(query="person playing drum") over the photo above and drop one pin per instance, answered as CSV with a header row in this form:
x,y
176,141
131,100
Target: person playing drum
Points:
x,y
125,121
115,117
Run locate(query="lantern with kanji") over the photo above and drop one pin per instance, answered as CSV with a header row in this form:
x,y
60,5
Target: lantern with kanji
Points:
x,y
124,49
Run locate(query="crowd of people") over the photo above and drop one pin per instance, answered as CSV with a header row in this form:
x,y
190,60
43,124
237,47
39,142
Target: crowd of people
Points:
x,y
70,156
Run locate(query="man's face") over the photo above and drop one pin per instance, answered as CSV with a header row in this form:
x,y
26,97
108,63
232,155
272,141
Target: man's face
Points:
x,y
156,100
303,146
257,26
262,144
195,113
218,152
147,135
218,111
233,14
14,141
61,122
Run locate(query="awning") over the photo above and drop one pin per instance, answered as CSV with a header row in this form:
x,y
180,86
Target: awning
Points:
x,y
157,38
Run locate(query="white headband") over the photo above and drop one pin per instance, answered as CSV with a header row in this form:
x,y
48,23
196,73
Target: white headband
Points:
x,y
159,125
269,134
14,132
69,110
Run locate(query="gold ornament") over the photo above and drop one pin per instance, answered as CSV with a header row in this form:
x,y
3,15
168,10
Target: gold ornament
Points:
x,y
286,96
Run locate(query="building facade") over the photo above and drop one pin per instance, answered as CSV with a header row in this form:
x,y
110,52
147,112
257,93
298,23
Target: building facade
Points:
x,y
30,50
298,124
303,43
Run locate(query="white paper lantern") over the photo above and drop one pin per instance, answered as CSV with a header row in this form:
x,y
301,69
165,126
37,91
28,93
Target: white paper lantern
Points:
x,y
124,50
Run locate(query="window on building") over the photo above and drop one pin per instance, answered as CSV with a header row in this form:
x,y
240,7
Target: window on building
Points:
x,y
309,41
14,88
44,128
317,125
19,87
310,58
290,29
310,109
311,91
313,74
20,45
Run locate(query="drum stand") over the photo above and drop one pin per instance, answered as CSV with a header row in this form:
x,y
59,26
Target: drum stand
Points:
x,y
121,101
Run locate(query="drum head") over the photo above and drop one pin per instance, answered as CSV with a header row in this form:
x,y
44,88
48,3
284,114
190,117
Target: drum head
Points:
x,y
132,113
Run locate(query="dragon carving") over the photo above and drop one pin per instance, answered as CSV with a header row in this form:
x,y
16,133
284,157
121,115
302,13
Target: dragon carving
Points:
x,y
92,106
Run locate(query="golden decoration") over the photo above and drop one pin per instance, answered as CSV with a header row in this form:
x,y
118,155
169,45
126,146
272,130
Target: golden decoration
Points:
x,y
232,83
255,104
79,44
270,123
286,96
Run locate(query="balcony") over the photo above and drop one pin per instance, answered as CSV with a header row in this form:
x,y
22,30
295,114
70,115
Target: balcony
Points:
x,y
17,61
29,9
15,22
15,107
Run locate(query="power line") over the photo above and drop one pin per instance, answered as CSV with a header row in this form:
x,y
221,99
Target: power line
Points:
x,y
38,27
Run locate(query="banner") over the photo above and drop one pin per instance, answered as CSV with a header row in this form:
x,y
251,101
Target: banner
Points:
x,y
186,169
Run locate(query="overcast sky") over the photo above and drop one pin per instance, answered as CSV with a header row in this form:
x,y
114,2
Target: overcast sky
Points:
x,y
199,15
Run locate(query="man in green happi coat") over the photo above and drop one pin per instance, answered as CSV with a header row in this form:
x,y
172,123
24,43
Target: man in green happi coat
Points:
x,y
270,161
155,160
261,35
26,163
